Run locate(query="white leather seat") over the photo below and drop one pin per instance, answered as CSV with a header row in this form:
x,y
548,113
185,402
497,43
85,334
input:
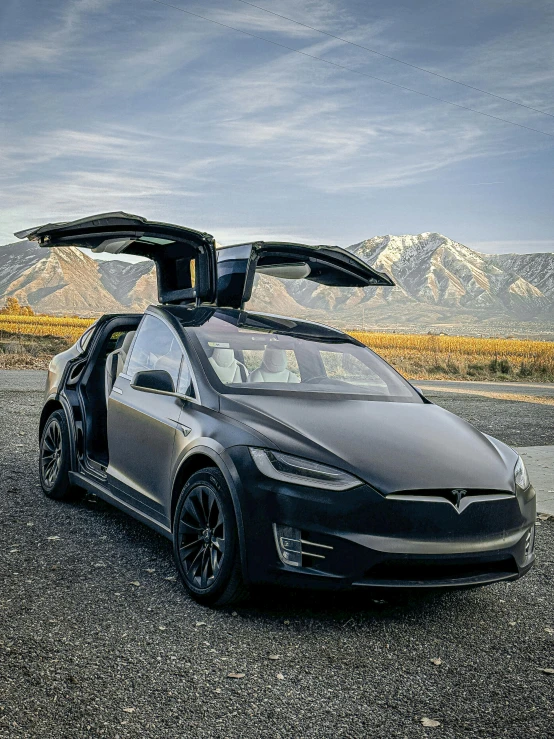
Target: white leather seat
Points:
x,y
115,361
226,366
273,368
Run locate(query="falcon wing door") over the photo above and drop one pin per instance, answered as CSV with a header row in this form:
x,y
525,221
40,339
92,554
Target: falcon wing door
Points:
x,y
185,259
328,265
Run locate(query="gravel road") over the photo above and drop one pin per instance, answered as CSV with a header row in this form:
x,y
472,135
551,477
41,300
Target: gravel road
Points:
x,y
98,639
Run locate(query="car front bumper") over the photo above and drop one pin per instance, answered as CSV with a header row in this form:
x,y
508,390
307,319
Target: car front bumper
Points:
x,y
360,538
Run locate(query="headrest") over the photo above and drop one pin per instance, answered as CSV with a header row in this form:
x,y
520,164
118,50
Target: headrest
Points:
x,y
223,357
275,360
119,342
126,344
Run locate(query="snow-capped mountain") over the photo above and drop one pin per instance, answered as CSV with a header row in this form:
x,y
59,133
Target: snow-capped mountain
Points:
x,y
132,285
63,281
439,282
433,269
538,269
67,281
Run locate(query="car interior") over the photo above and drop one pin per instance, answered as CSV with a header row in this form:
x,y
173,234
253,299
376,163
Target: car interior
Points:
x,y
91,379
267,365
227,367
115,361
274,367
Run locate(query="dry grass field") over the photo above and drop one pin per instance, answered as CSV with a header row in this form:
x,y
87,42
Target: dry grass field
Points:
x,y
421,356
30,341
64,328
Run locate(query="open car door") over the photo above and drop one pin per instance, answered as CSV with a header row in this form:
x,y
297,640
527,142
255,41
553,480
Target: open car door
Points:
x,y
328,265
185,259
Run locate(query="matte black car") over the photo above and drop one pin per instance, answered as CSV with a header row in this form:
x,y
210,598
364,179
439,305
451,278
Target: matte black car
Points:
x,y
269,449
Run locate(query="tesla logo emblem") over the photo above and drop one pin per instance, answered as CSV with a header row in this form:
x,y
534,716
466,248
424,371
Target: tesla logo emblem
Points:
x,y
458,494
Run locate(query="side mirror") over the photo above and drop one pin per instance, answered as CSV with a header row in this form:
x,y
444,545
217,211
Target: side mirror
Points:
x,y
154,381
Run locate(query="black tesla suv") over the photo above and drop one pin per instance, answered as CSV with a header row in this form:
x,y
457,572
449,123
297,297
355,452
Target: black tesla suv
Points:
x,y
270,449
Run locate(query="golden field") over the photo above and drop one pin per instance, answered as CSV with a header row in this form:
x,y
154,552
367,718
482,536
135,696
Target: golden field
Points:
x,y
30,341
423,356
65,328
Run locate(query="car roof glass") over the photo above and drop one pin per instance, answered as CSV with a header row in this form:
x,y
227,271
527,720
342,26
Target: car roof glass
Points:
x,y
242,321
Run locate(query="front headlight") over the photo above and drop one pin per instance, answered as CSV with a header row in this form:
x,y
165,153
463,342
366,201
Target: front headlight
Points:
x,y
287,468
520,475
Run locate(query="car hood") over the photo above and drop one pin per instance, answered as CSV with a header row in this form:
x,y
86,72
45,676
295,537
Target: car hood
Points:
x,y
392,446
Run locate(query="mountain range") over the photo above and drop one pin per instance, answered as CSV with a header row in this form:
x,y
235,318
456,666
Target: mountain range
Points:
x,y
440,285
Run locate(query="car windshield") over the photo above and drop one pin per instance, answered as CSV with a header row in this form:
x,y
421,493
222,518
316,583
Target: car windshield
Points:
x,y
293,357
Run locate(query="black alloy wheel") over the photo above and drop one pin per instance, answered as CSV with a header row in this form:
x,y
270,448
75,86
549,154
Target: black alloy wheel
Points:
x,y
54,460
202,535
205,540
51,457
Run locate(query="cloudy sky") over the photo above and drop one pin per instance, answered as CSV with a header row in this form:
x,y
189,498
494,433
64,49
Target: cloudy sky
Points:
x,y
133,105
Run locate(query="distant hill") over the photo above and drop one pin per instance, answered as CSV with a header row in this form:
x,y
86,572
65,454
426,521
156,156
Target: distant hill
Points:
x,y
440,284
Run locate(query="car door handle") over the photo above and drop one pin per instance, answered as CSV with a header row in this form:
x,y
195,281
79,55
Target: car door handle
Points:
x,y
117,390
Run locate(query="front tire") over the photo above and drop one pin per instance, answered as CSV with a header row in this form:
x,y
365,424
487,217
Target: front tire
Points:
x,y
205,540
54,459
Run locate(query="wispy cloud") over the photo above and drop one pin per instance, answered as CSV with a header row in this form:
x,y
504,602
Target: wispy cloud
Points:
x,y
154,110
47,43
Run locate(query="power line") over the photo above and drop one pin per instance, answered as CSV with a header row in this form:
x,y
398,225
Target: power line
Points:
x,y
354,71
400,61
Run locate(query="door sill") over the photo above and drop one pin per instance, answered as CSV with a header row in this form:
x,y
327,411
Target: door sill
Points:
x,y
101,491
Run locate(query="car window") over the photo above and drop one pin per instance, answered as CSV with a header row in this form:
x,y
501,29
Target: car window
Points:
x,y
290,359
185,385
340,365
155,348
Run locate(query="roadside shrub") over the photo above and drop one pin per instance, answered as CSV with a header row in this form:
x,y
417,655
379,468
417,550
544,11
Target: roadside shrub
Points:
x,y
525,370
452,368
438,369
501,366
13,308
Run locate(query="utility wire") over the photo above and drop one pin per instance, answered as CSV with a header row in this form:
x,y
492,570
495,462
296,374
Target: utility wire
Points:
x,y
354,71
400,61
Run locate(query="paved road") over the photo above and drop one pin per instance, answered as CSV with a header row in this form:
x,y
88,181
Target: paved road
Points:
x,y
97,639
540,465
516,388
30,380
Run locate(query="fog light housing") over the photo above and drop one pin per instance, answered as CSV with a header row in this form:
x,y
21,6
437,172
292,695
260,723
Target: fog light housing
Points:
x,y
289,544
289,541
530,541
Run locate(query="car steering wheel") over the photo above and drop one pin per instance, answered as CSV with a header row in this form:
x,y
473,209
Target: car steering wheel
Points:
x,y
316,378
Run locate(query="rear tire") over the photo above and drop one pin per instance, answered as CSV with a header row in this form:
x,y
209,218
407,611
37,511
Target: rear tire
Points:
x,y
54,459
205,540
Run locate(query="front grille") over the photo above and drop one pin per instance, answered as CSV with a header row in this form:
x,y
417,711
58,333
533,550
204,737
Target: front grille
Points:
x,y
452,495
422,570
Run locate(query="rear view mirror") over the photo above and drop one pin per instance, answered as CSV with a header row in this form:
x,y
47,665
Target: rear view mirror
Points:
x,y
154,381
